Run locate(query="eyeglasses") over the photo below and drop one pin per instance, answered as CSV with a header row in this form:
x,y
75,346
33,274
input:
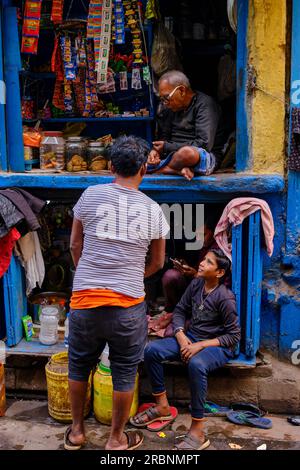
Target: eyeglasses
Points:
x,y
166,99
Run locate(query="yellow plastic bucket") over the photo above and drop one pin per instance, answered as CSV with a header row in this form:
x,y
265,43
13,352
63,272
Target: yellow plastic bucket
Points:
x,y
103,396
59,406
2,391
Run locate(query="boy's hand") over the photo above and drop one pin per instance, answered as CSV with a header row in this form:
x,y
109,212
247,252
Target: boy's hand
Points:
x,y
188,351
182,339
186,270
153,158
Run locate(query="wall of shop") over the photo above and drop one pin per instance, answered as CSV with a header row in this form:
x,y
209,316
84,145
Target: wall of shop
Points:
x,y
267,52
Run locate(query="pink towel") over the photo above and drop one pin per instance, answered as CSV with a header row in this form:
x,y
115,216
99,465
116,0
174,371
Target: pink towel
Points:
x,y
235,212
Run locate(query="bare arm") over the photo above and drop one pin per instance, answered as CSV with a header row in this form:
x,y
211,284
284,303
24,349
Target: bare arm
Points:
x,y
76,242
156,256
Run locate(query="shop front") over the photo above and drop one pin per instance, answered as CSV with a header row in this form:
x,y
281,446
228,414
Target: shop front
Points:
x,y
50,100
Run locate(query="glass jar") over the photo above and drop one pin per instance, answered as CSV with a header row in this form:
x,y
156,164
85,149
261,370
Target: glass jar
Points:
x,y
49,324
96,156
52,151
76,154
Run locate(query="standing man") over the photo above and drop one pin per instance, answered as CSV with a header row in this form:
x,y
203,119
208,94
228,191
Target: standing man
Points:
x,y
114,225
192,135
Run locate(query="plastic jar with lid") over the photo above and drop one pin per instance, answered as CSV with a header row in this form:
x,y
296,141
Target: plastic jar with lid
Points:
x,y
76,154
52,151
49,324
96,156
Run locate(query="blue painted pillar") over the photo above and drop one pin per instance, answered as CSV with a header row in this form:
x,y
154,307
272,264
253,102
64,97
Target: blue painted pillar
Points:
x,y
290,304
3,155
12,66
243,160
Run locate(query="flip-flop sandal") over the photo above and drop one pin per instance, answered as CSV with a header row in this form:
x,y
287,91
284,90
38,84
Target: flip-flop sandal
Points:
x,y
295,420
191,443
244,406
131,438
213,409
249,418
160,425
151,413
68,445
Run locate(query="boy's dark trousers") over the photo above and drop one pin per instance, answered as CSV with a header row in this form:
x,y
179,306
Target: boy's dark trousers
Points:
x,y
199,366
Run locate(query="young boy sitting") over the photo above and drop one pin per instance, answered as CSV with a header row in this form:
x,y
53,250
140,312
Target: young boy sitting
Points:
x,y
208,344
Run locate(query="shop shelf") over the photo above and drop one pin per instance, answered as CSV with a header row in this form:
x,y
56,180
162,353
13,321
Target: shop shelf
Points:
x,y
107,119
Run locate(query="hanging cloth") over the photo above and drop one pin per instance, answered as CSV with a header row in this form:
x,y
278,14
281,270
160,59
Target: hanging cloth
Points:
x,y
235,212
7,244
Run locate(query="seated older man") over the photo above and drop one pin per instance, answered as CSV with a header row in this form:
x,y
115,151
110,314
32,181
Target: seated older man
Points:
x,y
191,135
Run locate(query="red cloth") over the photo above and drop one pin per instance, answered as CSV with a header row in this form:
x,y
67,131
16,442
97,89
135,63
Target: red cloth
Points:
x,y
235,212
7,244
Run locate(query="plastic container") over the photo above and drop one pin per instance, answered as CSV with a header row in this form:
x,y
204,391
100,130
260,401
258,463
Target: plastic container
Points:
x,y
52,151
28,106
59,406
2,391
49,322
66,338
76,154
96,156
103,396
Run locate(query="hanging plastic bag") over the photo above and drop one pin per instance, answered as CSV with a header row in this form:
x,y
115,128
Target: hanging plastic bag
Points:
x,y
31,137
164,54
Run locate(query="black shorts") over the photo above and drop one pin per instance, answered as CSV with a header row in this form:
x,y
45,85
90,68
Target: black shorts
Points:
x,y
125,331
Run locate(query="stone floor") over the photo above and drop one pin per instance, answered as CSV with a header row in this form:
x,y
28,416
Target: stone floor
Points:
x,y
27,426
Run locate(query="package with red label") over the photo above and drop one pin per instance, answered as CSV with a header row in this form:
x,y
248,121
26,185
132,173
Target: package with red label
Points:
x,y
31,27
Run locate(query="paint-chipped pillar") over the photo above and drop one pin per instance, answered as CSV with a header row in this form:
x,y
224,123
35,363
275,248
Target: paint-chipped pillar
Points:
x,y
267,22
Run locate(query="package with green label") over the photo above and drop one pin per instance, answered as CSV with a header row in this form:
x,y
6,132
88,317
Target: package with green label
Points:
x,y
28,327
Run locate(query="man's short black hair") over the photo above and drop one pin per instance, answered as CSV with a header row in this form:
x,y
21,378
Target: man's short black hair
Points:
x,y
222,262
128,154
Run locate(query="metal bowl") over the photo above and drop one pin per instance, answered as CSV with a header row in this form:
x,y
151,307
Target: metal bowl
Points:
x,y
37,299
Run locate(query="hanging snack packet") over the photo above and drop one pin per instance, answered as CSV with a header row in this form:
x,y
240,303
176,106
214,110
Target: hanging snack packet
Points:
x,y
28,327
123,81
147,75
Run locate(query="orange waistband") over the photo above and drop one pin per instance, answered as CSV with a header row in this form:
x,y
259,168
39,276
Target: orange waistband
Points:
x,y
92,298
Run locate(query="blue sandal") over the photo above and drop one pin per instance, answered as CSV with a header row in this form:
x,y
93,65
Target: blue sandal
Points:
x,y
213,409
249,418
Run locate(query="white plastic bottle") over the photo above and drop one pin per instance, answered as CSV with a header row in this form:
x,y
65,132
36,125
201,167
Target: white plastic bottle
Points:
x,y
49,323
66,339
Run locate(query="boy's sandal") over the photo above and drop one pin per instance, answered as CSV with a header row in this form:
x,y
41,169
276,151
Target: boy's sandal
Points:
x,y
244,406
152,415
213,409
191,443
68,445
249,418
134,438
159,425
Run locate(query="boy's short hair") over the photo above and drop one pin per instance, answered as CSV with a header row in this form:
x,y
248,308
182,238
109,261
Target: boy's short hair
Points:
x,y
222,261
128,154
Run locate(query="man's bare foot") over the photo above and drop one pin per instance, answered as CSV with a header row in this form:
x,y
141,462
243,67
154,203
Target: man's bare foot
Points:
x,y
77,438
129,440
113,444
187,173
